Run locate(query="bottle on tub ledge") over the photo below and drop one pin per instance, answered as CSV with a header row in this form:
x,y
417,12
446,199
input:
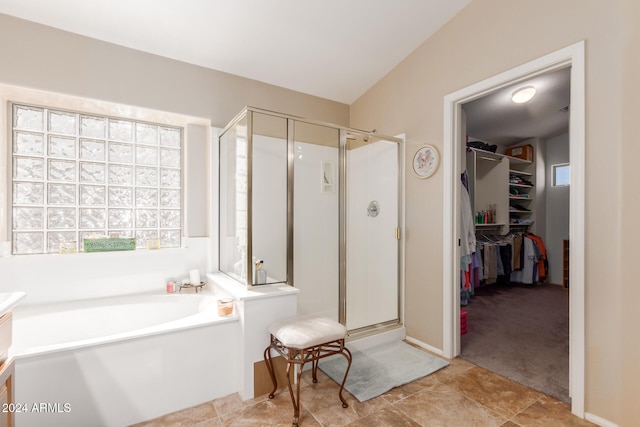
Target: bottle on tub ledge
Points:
x,y
259,272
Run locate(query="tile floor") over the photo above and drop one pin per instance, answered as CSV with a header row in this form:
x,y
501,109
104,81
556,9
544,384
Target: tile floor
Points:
x,y
461,394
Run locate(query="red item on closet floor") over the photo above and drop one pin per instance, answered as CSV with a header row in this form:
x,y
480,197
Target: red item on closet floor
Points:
x,y
463,322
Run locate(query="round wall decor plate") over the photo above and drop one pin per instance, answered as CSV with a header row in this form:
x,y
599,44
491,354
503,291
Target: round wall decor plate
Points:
x,y
425,161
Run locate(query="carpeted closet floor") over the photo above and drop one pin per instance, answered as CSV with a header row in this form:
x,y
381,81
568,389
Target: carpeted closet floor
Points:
x,y
522,333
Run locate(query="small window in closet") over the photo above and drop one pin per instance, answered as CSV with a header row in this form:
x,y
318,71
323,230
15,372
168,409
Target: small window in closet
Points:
x,y
561,175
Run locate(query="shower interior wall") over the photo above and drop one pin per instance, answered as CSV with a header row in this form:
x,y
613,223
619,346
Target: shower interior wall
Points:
x,y
316,230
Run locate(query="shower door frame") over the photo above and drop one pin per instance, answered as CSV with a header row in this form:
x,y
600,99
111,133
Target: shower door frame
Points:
x,y
342,209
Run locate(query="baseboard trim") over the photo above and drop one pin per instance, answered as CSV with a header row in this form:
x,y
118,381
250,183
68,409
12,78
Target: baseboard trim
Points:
x,y
376,339
426,346
598,420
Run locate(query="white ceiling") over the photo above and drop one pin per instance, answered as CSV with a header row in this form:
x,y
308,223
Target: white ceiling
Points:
x,y
335,49
496,119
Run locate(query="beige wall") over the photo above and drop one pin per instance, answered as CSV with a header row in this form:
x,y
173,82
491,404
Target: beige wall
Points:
x,y
629,353
485,39
40,57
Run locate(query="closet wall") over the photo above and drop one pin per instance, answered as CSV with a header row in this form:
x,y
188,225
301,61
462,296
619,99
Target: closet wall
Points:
x,y
557,206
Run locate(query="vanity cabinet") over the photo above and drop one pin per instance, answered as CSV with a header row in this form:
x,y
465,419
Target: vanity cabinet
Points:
x,y
6,371
6,393
6,329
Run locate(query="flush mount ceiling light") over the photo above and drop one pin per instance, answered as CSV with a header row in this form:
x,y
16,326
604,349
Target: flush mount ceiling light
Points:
x,y
523,94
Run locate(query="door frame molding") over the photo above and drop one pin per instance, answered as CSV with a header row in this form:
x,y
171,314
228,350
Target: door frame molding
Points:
x,y
572,56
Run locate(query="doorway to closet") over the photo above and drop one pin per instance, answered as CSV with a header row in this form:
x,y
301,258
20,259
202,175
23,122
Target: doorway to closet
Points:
x,y
514,309
454,147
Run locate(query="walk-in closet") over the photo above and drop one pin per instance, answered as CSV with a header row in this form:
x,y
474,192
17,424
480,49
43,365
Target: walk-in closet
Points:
x,y
514,211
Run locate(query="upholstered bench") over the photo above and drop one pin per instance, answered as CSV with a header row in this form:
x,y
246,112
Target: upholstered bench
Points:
x,y
301,340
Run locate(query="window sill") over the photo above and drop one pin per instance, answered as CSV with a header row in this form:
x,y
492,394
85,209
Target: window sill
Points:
x,y
132,253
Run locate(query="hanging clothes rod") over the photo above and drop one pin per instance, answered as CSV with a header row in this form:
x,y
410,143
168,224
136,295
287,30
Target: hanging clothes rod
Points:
x,y
489,158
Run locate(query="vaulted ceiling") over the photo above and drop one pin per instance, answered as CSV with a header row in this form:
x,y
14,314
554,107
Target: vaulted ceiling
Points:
x,y
334,49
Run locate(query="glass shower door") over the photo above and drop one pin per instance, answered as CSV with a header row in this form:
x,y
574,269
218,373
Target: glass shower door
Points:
x,y
372,221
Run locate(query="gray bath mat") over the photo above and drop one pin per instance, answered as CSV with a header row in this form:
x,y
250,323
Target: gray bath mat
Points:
x,y
378,369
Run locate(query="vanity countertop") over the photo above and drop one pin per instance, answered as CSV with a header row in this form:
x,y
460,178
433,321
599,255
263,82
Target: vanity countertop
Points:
x,y
8,300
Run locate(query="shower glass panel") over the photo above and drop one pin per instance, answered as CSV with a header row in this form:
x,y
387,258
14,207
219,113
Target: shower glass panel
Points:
x,y
372,245
233,200
316,218
253,160
269,199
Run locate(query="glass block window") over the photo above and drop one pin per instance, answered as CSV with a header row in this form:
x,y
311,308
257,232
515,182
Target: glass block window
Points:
x,y
76,175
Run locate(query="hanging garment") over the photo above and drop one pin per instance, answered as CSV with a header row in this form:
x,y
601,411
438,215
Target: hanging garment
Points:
x,y
517,251
536,258
543,264
467,280
529,272
467,224
490,263
476,267
479,255
499,266
464,294
506,253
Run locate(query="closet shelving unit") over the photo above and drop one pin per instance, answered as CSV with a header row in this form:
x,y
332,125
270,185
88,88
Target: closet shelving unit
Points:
x,y
489,184
488,175
522,205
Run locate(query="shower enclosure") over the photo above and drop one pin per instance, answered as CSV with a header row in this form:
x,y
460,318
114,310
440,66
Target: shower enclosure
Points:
x,y
316,206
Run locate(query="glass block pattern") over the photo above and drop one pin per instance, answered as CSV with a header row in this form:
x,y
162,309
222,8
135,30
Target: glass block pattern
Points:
x,y
120,153
28,144
92,172
62,170
61,194
61,218
92,219
60,146
92,195
76,175
92,150
62,122
28,193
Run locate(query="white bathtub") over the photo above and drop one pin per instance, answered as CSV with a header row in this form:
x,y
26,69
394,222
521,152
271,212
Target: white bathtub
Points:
x,y
121,360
